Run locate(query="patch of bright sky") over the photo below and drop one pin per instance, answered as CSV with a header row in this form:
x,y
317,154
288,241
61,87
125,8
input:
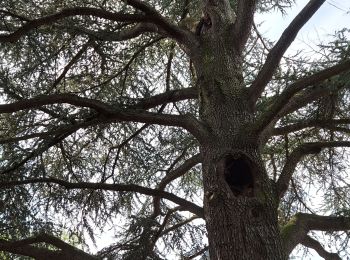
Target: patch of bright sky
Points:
x,y
332,16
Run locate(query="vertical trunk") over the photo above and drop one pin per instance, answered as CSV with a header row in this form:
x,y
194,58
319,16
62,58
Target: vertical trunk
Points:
x,y
240,212
239,202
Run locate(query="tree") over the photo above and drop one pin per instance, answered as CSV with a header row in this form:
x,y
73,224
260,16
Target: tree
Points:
x,y
132,113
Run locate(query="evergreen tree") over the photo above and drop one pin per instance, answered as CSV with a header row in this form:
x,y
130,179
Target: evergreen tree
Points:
x,y
173,124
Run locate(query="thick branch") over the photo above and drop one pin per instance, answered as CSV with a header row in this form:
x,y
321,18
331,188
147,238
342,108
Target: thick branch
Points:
x,y
108,112
314,244
173,30
244,21
297,228
42,135
43,100
178,225
32,24
113,187
298,101
305,97
24,247
276,53
328,124
296,156
151,16
292,89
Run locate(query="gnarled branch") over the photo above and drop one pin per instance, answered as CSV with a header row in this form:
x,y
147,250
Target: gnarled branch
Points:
x,y
186,205
314,244
276,53
296,156
150,16
297,228
280,101
49,19
109,113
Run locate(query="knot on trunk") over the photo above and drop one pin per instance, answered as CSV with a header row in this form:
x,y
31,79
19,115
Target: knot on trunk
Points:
x,y
239,172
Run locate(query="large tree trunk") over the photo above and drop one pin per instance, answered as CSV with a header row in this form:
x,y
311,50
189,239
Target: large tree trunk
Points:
x,y
240,203
240,212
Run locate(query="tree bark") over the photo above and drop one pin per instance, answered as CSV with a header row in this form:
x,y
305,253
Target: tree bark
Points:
x,y
240,205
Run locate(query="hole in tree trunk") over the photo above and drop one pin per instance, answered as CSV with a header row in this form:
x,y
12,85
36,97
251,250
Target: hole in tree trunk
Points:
x,y
239,173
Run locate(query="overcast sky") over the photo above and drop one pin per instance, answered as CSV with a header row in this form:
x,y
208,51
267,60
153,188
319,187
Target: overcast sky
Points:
x,y
332,16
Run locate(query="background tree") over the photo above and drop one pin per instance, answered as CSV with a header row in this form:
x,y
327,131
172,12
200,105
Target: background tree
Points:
x,y
131,115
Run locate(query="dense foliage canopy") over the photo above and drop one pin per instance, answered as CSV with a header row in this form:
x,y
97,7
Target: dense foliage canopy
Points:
x,y
91,148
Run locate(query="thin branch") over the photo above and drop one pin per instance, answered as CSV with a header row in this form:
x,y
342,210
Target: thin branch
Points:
x,y
260,37
314,244
128,64
158,234
69,65
121,145
57,136
167,97
178,225
276,53
297,86
8,13
299,198
173,30
186,205
243,23
297,228
200,252
43,147
292,161
174,174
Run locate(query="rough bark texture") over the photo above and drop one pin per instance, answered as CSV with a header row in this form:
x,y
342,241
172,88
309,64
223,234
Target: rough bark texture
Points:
x,y
239,203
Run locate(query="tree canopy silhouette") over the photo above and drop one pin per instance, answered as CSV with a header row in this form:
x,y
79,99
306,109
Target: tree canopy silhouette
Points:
x,y
173,124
